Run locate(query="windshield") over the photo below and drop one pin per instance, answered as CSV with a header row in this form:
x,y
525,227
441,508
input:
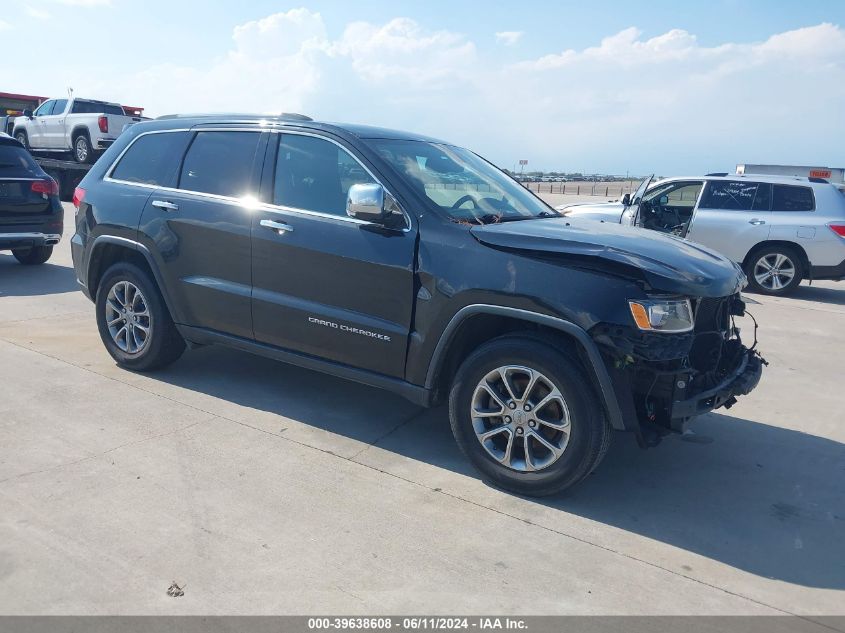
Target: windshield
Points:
x,y
462,185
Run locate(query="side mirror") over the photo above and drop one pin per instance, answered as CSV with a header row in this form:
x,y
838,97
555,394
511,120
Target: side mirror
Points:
x,y
27,113
664,200
366,202
626,199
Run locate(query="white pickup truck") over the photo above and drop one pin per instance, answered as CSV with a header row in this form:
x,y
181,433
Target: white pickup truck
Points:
x,y
83,127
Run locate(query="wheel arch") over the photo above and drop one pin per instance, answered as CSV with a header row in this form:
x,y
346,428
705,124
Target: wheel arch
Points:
x,y
108,250
805,259
79,130
476,324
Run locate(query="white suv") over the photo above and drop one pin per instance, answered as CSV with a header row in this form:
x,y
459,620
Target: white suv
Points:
x,y
780,229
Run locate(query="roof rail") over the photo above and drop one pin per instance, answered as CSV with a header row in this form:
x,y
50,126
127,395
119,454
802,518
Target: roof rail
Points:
x,y
292,116
821,180
718,173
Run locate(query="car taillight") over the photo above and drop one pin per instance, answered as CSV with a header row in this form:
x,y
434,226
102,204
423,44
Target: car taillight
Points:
x,y
50,187
839,229
103,122
78,197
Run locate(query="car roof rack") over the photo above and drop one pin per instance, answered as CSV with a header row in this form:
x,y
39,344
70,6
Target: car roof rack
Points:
x,y
820,180
290,116
718,173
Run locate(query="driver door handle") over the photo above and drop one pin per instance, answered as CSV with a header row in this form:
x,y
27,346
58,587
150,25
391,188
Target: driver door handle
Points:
x,y
278,227
756,221
164,205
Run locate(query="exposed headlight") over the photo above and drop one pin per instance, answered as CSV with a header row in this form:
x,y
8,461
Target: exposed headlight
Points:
x,y
663,315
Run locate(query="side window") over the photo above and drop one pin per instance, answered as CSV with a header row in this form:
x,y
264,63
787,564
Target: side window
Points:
x,y
730,195
45,108
315,174
59,106
151,159
763,199
220,163
678,194
791,198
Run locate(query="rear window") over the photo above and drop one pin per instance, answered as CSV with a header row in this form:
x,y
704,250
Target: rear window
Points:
x,y
736,196
16,161
151,159
94,107
792,198
220,163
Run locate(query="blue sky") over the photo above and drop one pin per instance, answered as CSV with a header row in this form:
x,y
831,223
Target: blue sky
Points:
x,y
672,87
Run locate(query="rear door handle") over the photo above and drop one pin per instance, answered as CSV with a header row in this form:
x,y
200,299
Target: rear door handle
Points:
x,y
164,205
279,227
756,222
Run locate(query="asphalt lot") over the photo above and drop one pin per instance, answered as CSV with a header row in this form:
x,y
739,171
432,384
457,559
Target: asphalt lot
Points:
x,y
265,489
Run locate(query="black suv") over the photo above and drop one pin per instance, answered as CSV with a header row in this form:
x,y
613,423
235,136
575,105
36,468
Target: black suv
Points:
x,y
413,265
31,215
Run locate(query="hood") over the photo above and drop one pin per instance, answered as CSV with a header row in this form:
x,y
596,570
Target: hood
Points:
x,y
666,263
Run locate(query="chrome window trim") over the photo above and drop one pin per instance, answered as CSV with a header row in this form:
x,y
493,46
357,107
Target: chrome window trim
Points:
x,y
241,202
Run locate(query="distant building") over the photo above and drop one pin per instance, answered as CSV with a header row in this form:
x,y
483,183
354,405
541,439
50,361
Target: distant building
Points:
x,y
14,104
832,174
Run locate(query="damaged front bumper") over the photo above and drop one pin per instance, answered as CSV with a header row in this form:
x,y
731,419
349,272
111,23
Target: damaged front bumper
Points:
x,y
663,380
739,383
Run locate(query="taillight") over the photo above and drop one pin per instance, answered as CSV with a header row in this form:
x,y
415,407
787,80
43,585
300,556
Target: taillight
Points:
x,y
50,187
78,197
103,122
839,229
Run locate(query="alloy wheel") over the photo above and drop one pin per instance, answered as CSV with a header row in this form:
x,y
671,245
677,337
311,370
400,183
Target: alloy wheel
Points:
x,y
82,149
774,271
520,418
128,317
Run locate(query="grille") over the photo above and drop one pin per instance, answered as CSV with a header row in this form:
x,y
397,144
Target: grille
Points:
x,y
713,314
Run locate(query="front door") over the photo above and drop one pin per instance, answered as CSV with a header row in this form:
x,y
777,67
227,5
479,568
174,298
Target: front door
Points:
x,y
732,217
37,129
201,228
326,284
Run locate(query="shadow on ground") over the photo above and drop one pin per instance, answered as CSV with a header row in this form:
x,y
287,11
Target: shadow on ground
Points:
x,y
17,280
760,498
833,296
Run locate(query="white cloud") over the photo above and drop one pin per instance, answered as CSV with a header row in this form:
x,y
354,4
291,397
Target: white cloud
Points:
x,y
665,102
509,38
4,25
38,14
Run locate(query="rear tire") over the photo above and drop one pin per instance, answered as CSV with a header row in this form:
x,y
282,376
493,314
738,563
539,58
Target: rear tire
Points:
x,y
774,270
33,256
570,417
83,152
134,322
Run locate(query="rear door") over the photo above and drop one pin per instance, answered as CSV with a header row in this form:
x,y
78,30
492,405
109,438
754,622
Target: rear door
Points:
x,y
201,229
54,126
326,284
732,217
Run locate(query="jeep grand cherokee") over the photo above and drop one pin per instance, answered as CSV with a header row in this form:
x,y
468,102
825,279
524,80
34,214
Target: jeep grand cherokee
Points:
x,y
411,264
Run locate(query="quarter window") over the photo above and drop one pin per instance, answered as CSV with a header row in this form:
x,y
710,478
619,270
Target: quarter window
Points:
x,y
735,196
220,163
791,198
150,159
315,174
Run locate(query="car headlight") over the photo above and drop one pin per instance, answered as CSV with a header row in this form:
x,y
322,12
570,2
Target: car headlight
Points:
x,y
662,315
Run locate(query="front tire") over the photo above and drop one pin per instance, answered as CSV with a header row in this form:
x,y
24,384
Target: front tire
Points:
x,y
33,256
134,322
82,151
525,415
774,270
23,139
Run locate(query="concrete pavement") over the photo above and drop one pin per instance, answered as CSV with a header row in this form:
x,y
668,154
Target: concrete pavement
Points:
x,y
265,489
